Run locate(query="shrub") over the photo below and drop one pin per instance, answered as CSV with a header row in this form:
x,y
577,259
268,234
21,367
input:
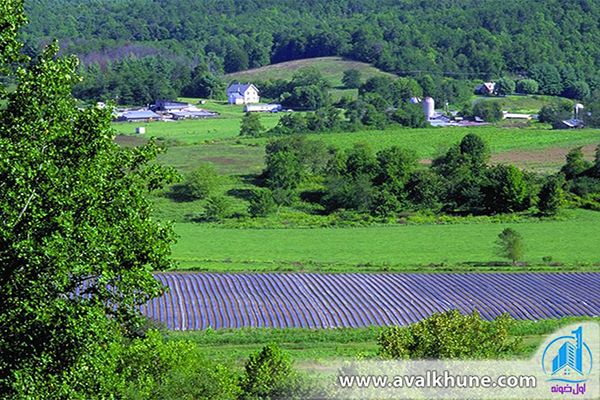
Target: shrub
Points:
x,y
217,208
269,374
200,183
527,86
450,335
262,203
153,368
490,111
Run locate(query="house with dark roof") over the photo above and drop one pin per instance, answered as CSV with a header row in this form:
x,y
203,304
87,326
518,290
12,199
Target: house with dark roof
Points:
x,y
485,88
242,94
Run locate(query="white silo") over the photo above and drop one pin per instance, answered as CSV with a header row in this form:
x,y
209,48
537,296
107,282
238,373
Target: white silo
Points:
x,y
428,107
578,108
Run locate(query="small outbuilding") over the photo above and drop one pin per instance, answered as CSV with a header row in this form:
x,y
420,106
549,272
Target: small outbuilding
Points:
x,y
571,124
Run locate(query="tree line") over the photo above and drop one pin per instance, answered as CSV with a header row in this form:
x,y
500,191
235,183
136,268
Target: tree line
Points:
x,y
465,40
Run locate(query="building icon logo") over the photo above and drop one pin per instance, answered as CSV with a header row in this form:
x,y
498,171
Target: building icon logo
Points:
x,y
568,359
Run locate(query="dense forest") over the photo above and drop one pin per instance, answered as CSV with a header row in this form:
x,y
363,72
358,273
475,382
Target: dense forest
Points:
x,y
188,45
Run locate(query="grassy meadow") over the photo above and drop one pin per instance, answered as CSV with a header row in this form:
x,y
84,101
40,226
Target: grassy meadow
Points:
x,y
463,247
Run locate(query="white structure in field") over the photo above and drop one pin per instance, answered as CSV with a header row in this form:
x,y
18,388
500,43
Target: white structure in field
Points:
x,y
242,94
262,108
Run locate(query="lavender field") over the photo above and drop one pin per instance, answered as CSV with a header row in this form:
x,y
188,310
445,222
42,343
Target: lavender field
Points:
x,y
199,300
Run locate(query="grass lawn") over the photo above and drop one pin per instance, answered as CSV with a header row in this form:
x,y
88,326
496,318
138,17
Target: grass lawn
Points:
x,y
573,242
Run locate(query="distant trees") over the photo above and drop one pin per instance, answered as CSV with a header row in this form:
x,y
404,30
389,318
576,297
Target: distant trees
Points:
x,y
527,86
201,183
548,77
489,111
389,36
552,196
592,115
504,86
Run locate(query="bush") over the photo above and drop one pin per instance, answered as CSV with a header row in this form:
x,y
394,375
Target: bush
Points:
x,y
251,125
269,374
153,368
217,208
450,335
200,183
262,203
528,86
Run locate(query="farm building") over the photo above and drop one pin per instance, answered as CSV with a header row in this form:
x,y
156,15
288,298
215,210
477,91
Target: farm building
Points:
x,y
168,105
242,94
262,108
571,124
509,115
485,88
192,114
138,116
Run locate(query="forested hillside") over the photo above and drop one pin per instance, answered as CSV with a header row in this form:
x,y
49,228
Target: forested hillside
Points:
x,y
468,39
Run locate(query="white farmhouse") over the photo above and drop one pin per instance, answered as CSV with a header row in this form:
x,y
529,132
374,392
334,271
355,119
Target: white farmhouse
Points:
x,y
242,94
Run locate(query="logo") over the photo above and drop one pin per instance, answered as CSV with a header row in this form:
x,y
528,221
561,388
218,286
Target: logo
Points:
x,y
568,359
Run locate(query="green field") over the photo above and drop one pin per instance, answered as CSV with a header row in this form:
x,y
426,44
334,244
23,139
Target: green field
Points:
x,y
429,141
218,141
196,130
315,349
573,242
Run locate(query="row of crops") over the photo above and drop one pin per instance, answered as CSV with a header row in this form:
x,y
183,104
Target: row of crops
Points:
x,y
200,300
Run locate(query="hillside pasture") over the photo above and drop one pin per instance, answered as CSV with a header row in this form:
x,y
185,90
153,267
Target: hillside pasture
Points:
x,y
332,69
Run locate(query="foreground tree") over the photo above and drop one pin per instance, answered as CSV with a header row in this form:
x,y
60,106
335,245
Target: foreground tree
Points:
x,y
77,242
